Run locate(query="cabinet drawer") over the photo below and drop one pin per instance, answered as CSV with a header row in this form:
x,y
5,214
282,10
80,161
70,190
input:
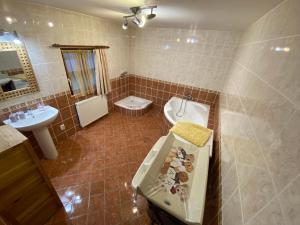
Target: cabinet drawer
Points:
x,y
11,193
13,158
43,214
9,177
30,203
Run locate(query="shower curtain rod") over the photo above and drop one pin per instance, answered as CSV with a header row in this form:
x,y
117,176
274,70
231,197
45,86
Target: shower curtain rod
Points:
x,y
75,47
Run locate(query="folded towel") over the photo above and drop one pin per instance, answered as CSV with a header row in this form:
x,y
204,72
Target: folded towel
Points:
x,y
196,134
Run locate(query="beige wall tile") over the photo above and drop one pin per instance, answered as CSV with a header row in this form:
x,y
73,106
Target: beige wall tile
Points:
x,y
229,183
232,214
290,201
271,214
193,57
69,28
283,153
248,152
256,189
227,154
262,86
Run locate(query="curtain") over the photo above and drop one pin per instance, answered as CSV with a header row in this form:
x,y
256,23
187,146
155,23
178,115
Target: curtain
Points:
x,y
80,70
101,72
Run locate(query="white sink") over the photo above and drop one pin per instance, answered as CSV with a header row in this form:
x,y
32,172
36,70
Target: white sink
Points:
x,y
37,122
39,118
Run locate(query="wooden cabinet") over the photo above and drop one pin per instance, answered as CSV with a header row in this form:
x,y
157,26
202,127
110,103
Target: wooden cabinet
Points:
x,y
26,194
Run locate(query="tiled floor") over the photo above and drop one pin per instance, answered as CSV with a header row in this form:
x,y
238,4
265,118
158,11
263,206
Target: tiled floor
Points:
x,y
93,172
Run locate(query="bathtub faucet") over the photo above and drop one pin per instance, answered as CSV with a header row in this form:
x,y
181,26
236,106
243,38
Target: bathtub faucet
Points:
x,y
188,97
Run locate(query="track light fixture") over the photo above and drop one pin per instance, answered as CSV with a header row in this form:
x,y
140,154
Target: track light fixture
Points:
x,y
139,18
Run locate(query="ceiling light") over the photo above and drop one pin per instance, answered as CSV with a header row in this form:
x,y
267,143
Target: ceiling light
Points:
x,y
50,24
125,24
152,15
138,16
280,49
139,20
10,20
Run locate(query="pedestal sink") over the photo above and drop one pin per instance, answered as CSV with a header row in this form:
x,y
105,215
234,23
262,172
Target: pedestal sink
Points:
x,y
37,122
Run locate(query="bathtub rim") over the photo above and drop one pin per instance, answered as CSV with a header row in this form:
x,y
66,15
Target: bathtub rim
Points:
x,y
119,103
167,107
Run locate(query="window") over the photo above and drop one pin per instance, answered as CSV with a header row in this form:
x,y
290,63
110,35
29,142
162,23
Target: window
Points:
x,y
80,69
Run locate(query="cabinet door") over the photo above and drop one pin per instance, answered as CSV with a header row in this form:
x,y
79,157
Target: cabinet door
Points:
x,y
26,194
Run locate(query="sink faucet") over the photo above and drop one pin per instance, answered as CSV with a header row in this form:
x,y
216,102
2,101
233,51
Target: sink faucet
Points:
x,y
30,112
188,97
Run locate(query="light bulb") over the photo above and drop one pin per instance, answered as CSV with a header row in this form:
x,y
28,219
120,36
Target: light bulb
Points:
x,y
10,20
125,24
17,41
139,20
142,21
50,24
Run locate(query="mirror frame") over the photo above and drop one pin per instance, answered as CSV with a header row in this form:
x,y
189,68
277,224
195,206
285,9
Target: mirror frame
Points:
x,y
27,68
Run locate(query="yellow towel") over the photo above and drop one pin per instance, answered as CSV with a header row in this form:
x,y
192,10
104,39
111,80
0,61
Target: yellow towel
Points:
x,y
196,134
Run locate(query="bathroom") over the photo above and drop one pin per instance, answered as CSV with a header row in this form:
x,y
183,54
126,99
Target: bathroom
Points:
x,y
231,67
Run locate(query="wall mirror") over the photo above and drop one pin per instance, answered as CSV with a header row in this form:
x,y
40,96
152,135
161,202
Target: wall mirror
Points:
x,y
16,74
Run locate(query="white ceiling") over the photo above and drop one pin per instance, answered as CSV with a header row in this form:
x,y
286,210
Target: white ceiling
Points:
x,y
206,14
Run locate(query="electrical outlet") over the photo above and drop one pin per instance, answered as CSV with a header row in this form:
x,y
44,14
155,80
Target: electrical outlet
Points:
x,y
62,127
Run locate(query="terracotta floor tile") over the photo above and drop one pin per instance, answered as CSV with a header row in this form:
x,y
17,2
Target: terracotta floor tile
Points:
x,y
60,216
95,219
85,166
126,196
112,198
98,164
69,193
97,175
144,220
129,212
96,204
79,220
97,187
113,215
112,183
78,206
93,172
113,171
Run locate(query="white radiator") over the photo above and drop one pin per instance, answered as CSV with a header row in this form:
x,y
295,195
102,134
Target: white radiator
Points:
x,y
91,109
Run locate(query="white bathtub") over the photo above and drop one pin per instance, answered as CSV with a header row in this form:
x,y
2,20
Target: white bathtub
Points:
x,y
133,103
195,112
